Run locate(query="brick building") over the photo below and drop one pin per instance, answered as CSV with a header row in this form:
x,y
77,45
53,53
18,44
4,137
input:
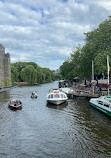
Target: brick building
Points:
x,y
5,68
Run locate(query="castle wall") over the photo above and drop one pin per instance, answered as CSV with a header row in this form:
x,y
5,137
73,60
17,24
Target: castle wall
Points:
x,y
5,69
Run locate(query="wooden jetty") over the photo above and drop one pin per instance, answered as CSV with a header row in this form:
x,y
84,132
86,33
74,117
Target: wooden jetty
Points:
x,y
75,92
87,91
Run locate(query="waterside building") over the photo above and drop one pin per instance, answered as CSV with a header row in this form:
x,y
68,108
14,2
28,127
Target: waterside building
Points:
x,y
5,68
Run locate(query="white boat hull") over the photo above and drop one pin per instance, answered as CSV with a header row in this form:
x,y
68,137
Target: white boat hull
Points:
x,y
56,102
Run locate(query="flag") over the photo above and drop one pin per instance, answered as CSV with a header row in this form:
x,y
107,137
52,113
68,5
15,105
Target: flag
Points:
x,y
92,70
108,64
108,72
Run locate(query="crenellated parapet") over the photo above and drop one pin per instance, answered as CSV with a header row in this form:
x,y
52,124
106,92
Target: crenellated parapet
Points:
x,y
5,68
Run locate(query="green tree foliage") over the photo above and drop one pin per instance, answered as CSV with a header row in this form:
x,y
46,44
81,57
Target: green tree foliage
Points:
x,y
97,46
101,63
48,75
14,74
65,69
58,76
19,66
39,75
30,72
72,67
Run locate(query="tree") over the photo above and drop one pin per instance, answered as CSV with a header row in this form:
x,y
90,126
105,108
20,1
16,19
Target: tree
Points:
x,y
65,69
48,75
40,77
14,74
29,74
97,47
101,63
71,68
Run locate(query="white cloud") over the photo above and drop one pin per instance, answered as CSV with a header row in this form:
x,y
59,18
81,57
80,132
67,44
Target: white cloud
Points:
x,y
45,31
105,4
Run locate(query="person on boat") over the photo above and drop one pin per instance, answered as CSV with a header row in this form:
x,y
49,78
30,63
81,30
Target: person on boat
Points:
x,y
97,85
85,83
96,81
17,102
90,84
33,94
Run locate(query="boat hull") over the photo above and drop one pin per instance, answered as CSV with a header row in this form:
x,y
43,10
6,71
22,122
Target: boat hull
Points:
x,y
56,102
15,108
100,109
34,96
85,94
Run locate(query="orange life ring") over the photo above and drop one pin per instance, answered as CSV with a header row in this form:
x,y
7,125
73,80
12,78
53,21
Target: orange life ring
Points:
x,y
92,93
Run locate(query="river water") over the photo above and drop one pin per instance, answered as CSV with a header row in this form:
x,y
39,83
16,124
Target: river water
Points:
x,y
71,130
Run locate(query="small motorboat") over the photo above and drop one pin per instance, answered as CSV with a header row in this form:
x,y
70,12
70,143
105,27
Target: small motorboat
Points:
x,y
56,96
15,104
34,95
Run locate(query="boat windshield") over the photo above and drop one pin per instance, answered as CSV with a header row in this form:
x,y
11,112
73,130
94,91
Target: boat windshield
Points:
x,y
50,96
56,96
15,102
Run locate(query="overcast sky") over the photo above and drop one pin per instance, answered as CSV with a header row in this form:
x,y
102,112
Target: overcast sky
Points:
x,y
45,31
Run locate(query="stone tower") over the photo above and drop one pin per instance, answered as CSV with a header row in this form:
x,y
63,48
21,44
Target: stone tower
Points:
x,y
5,68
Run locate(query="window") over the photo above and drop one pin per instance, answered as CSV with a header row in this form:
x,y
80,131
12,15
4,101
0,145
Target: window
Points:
x,y
106,105
100,102
57,96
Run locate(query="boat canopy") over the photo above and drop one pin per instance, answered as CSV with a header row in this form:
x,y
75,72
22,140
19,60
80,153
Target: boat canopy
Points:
x,y
56,95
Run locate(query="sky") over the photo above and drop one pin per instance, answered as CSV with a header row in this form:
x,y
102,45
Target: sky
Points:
x,y
46,31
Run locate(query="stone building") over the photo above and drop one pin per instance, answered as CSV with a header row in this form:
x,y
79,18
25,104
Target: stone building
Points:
x,y
5,68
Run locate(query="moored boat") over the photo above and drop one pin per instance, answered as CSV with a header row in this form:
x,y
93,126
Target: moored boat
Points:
x,y
102,103
86,94
56,96
15,104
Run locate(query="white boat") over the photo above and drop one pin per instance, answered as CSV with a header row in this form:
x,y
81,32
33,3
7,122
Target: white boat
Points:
x,y
102,103
34,95
56,96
